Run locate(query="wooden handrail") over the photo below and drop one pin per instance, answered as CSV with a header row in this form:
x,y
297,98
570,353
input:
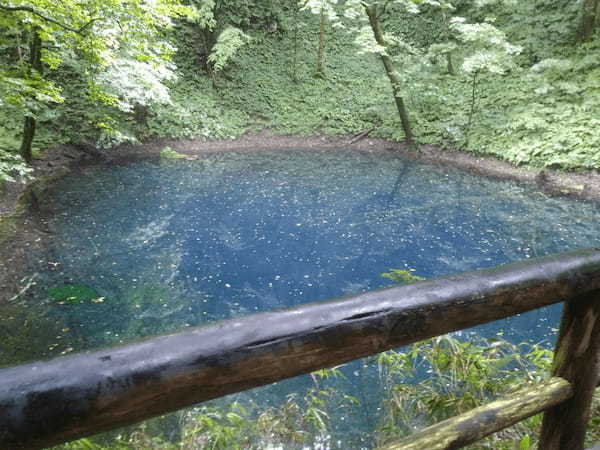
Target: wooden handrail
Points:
x,y
46,403
566,401
474,425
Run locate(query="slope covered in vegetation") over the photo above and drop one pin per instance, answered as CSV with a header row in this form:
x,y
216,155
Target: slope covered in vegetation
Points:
x,y
517,80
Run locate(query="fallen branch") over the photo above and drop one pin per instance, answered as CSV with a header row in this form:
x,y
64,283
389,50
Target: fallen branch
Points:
x,y
359,136
30,282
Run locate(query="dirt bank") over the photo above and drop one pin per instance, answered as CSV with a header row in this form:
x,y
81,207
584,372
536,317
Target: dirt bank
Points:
x,y
58,161
553,182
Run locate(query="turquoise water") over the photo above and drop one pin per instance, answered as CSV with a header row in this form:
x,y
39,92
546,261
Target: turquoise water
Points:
x,y
173,244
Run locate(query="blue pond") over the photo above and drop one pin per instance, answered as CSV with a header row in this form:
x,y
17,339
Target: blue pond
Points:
x,y
172,244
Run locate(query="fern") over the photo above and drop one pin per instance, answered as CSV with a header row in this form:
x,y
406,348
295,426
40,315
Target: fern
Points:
x,y
228,43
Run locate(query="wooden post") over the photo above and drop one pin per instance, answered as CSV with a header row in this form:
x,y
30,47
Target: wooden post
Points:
x,y
576,359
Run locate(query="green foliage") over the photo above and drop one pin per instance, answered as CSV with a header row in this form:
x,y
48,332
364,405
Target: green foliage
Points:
x,y
261,88
541,113
218,428
13,168
230,40
402,276
122,65
73,294
487,47
168,153
194,112
428,382
461,375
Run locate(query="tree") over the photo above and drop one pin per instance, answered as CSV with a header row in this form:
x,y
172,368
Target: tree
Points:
x,y
447,46
590,17
373,14
230,40
325,9
487,49
221,39
97,36
380,44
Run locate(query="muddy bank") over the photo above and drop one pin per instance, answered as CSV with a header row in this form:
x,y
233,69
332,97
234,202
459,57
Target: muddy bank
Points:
x,y
584,185
59,161
23,231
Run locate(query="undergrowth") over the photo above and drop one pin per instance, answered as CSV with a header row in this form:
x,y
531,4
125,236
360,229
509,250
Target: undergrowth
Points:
x,y
424,384
543,113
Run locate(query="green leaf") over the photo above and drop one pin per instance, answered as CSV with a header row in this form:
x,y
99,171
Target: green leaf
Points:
x,y
72,294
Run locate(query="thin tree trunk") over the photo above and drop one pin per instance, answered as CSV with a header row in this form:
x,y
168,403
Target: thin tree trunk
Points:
x,y
447,36
27,140
35,64
589,20
391,73
321,52
450,64
19,52
209,38
473,106
295,54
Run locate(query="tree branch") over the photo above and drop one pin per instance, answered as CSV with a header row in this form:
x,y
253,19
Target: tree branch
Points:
x,y
47,19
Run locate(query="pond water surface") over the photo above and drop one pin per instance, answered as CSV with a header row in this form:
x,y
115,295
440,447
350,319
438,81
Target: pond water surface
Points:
x,y
163,245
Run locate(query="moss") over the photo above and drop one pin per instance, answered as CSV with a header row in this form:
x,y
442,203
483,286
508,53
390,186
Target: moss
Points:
x,y
169,153
73,294
8,227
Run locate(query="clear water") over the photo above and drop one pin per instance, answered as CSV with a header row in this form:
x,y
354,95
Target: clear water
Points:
x,y
172,244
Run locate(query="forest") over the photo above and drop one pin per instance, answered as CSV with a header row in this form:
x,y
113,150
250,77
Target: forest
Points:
x,y
516,82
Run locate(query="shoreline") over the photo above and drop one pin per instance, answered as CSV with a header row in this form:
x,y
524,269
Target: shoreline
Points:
x,y
22,230
60,161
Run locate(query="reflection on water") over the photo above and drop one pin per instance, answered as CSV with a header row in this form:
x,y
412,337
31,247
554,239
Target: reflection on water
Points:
x,y
179,243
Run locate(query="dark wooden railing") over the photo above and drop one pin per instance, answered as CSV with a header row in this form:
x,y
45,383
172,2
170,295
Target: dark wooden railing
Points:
x,y
46,403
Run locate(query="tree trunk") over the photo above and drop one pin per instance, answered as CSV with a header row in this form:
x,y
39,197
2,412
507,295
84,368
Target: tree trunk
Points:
x,y
473,106
35,64
391,73
450,64
209,38
140,114
27,140
295,52
321,53
589,20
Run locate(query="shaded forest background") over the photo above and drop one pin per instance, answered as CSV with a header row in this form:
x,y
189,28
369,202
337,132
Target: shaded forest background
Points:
x,y
517,80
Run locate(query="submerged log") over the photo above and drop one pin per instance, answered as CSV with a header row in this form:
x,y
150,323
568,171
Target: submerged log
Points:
x,y
577,359
45,403
478,423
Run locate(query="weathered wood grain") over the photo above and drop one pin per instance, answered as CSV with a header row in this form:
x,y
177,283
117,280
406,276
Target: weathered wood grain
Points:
x,y
576,359
478,423
45,403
